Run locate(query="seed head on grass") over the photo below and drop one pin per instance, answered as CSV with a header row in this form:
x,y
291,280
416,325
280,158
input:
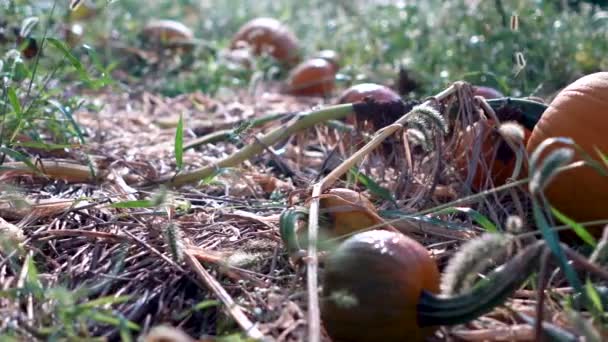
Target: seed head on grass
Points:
x,y
174,240
474,257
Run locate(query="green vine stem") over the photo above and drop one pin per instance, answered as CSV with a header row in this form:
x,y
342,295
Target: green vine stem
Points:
x,y
300,122
225,134
501,283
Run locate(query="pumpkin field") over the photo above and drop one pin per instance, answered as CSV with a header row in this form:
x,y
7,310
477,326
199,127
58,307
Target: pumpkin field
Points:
x,y
348,171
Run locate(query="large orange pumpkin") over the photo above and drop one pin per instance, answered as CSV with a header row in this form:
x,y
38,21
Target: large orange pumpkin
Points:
x,y
580,112
270,35
495,154
314,77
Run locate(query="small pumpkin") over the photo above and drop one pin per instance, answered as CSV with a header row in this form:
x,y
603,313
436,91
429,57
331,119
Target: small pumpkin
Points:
x,y
268,35
371,287
359,92
349,211
314,77
330,56
496,156
487,92
166,31
580,112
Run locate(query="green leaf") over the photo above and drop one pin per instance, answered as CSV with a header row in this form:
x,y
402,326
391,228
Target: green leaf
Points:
x,y
18,157
145,203
14,100
372,186
579,229
593,296
70,57
68,114
104,301
179,143
478,217
554,245
111,320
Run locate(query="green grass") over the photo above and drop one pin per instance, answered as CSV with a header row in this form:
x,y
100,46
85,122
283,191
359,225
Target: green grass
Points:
x,y
439,41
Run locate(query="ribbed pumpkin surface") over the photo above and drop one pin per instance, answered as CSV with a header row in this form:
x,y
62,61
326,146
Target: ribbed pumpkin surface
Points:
x,y
580,112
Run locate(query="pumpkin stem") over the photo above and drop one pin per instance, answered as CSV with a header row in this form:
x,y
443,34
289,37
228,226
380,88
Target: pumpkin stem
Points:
x,y
434,310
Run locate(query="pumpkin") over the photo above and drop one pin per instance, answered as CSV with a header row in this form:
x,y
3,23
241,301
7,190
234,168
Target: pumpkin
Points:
x,y
361,91
371,287
580,112
166,31
330,56
487,92
349,211
268,35
495,154
314,77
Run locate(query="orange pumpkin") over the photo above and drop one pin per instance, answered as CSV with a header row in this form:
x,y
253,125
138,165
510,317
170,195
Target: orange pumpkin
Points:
x,y
360,91
496,155
383,273
349,211
268,35
579,112
314,77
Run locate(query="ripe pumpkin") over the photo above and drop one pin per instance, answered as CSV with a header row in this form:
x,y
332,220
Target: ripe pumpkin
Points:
x,y
166,31
487,92
360,91
384,274
580,112
314,77
349,211
268,34
492,144
330,56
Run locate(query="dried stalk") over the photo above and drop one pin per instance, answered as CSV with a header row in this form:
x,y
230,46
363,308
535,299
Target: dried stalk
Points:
x,y
68,171
314,317
235,311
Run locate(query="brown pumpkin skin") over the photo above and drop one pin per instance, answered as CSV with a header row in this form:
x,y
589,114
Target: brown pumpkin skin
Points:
x,y
314,77
385,272
360,91
166,31
487,92
268,34
349,211
504,160
580,112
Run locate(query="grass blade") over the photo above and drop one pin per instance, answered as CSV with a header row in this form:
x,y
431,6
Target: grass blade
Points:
x,y
579,229
179,143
